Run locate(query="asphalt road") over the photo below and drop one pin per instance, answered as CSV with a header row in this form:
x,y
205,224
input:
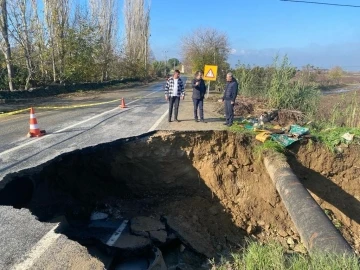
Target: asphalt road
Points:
x,y
67,130
70,129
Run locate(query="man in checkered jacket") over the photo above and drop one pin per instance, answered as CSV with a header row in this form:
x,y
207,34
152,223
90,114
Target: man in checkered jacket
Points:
x,y
174,90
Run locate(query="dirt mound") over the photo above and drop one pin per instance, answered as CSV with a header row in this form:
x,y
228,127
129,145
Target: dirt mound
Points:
x,y
334,181
244,106
254,107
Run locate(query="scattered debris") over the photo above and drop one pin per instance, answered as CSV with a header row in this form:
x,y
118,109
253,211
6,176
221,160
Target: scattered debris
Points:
x,y
199,242
98,216
282,233
286,117
290,241
132,243
348,137
298,131
263,136
158,263
251,229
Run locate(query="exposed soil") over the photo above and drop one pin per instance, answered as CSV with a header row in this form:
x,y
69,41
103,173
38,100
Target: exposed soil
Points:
x,y
208,188
334,182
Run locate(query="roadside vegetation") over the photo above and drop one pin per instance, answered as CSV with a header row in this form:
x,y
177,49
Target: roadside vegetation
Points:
x,y
278,85
57,42
282,87
272,256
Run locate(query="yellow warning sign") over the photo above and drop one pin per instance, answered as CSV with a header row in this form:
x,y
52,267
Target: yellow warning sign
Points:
x,y
210,73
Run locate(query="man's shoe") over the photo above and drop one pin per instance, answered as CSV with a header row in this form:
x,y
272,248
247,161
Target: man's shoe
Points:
x,y
225,124
229,125
169,121
196,120
202,120
176,120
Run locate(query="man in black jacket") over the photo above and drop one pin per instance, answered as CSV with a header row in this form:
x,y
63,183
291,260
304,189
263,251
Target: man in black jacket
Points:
x,y
199,90
230,93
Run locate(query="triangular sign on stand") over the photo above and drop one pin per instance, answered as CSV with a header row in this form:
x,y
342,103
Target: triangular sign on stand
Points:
x,y
210,74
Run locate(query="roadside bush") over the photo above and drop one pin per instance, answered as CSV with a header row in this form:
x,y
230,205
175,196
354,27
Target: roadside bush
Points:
x,y
278,85
285,93
253,81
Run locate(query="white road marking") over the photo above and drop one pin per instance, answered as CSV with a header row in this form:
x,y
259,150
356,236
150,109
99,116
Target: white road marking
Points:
x,y
38,250
61,130
117,234
157,123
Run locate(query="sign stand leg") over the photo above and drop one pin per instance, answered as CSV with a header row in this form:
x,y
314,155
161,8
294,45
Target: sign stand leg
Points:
x,y
208,91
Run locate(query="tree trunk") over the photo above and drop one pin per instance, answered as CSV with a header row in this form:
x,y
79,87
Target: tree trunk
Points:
x,y
53,63
27,46
6,46
30,73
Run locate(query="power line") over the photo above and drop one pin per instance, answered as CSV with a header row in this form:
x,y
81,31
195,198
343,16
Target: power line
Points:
x,y
321,3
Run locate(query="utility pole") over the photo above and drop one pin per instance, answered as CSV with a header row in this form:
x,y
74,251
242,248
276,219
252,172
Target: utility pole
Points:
x,y
165,52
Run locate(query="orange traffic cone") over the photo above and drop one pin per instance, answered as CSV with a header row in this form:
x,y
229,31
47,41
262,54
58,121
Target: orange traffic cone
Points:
x,y
123,103
34,128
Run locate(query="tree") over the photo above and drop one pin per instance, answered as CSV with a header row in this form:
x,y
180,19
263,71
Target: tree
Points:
x,y
173,62
336,74
158,68
21,18
104,14
83,45
137,33
57,19
206,46
5,44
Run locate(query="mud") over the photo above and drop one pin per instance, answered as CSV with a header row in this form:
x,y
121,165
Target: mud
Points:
x,y
209,190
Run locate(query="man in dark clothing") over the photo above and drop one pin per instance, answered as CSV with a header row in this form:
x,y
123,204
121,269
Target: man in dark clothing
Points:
x,y
199,90
174,89
230,93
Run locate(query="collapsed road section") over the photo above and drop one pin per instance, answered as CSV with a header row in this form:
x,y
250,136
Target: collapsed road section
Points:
x,y
163,200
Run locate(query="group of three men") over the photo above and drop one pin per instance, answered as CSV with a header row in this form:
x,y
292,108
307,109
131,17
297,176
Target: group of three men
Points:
x,y
175,90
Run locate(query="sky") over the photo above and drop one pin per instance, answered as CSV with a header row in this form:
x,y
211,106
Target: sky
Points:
x,y
323,36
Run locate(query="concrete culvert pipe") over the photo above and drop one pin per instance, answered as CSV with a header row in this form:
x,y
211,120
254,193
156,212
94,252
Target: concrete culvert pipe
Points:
x,y
316,230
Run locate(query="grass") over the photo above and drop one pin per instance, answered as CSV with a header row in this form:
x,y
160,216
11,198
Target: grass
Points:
x,y
267,146
331,137
239,129
261,148
272,256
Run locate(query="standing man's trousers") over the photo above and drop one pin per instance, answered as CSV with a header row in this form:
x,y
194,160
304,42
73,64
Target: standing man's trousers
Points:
x,y
198,103
174,103
229,111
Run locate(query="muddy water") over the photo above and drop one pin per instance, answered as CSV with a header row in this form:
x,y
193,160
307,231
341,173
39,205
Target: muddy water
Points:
x,y
187,196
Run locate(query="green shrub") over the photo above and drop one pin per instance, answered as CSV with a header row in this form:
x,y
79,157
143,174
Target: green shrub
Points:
x,y
285,93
